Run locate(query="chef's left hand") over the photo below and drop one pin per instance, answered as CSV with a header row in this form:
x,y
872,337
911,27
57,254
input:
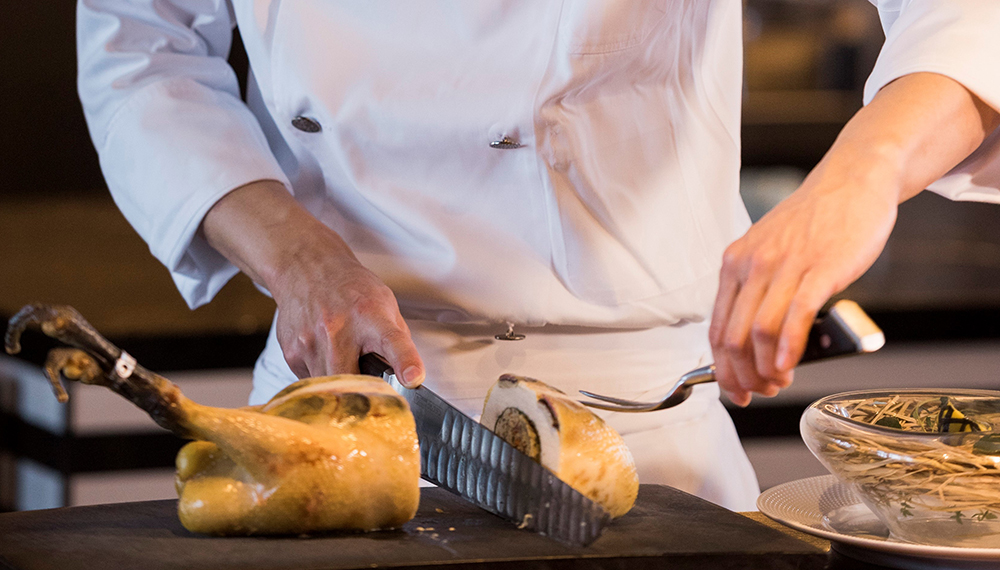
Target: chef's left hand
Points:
x,y
780,273
828,232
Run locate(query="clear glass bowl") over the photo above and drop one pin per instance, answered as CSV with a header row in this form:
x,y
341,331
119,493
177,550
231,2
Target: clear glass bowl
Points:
x,y
926,462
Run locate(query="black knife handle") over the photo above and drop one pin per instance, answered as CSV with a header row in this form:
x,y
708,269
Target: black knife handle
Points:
x,y
373,364
845,329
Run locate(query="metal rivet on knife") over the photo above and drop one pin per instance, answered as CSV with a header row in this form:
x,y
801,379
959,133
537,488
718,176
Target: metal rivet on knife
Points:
x,y
510,334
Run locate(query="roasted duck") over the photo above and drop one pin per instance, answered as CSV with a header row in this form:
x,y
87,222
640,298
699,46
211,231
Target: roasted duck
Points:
x,y
338,452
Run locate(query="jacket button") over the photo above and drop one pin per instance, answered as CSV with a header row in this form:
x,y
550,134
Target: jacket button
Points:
x,y
505,142
306,124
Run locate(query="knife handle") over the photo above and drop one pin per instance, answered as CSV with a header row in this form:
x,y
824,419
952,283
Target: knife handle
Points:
x,y
374,364
845,329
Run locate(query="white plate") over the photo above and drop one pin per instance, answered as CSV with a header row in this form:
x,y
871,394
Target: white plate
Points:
x,y
855,531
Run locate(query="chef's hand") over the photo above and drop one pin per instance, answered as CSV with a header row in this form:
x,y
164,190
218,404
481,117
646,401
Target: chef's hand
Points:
x,y
829,231
330,308
780,273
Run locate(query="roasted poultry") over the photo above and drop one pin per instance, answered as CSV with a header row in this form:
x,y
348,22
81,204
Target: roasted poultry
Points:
x,y
338,452
564,436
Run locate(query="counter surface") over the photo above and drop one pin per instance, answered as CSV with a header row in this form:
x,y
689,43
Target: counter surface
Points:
x,y
665,526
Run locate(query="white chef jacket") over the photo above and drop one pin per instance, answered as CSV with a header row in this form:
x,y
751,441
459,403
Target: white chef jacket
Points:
x,y
608,219
958,39
615,210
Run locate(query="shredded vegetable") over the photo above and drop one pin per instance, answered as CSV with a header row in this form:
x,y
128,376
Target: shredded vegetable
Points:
x,y
957,472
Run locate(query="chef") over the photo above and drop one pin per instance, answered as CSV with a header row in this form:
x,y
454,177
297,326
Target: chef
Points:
x,y
544,188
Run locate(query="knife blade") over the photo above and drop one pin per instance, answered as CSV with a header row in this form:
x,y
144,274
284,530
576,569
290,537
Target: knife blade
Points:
x,y
461,455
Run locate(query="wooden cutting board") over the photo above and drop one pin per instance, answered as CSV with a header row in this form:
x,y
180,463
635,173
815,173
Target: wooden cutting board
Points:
x,y
666,528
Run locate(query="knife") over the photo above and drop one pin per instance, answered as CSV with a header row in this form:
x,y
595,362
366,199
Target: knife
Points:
x,y
464,457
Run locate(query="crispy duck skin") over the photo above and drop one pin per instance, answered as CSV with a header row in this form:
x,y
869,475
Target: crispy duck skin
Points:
x,y
328,453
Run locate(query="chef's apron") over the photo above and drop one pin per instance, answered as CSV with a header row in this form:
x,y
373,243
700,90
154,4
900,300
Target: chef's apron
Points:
x,y
693,447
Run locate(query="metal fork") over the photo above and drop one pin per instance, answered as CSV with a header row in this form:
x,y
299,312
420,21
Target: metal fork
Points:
x,y
846,329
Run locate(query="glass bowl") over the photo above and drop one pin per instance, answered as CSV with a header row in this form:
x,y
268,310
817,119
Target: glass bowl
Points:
x,y
926,462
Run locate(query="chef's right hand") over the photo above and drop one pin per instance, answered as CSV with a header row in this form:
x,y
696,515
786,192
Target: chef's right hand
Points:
x,y
330,308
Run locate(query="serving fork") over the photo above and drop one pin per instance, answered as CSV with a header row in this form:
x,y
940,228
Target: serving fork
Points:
x,y
845,330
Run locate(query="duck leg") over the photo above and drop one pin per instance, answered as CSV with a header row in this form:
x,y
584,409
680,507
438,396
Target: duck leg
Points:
x,y
259,442
97,361
72,364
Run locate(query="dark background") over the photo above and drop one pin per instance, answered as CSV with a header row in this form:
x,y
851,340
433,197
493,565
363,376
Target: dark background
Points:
x,y
46,149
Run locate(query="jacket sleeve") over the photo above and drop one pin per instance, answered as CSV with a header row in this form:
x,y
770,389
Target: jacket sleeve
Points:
x,y
164,111
961,40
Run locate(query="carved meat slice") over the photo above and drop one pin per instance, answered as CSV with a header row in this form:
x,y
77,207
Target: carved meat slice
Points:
x,y
565,437
328,453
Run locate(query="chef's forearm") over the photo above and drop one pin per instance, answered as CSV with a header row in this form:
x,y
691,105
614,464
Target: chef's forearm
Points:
x,y
915,130
261,229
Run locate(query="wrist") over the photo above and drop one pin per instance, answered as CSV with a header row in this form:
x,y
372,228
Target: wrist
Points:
x,y
261,229
869,167
302,250
872,155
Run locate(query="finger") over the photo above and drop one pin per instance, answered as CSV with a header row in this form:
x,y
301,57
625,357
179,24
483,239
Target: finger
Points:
x,y
746,373
738,397
295,352
731,373
737,344
298,367
729,288
344,357
770,317
726,378
383,331
336,349
771,390
397,347
813,292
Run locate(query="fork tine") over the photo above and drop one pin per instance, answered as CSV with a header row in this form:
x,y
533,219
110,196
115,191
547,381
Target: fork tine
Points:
x,y
619,401
677,394
617,407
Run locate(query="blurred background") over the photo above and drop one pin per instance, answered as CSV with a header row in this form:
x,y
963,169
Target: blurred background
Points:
x,y
935,290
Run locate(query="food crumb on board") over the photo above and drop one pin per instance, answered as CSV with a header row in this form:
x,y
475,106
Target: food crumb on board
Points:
x,y
451,528
525,521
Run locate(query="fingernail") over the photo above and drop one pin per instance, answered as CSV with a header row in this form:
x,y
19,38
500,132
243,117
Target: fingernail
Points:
x,y
412,376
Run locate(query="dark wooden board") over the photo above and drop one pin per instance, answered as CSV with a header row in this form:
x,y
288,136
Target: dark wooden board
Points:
x,y
666,528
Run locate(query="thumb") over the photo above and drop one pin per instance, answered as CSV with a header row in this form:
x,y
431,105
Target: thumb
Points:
x,y
402,354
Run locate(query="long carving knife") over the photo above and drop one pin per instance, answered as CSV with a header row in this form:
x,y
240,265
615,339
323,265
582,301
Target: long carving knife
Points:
x,y
464,457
